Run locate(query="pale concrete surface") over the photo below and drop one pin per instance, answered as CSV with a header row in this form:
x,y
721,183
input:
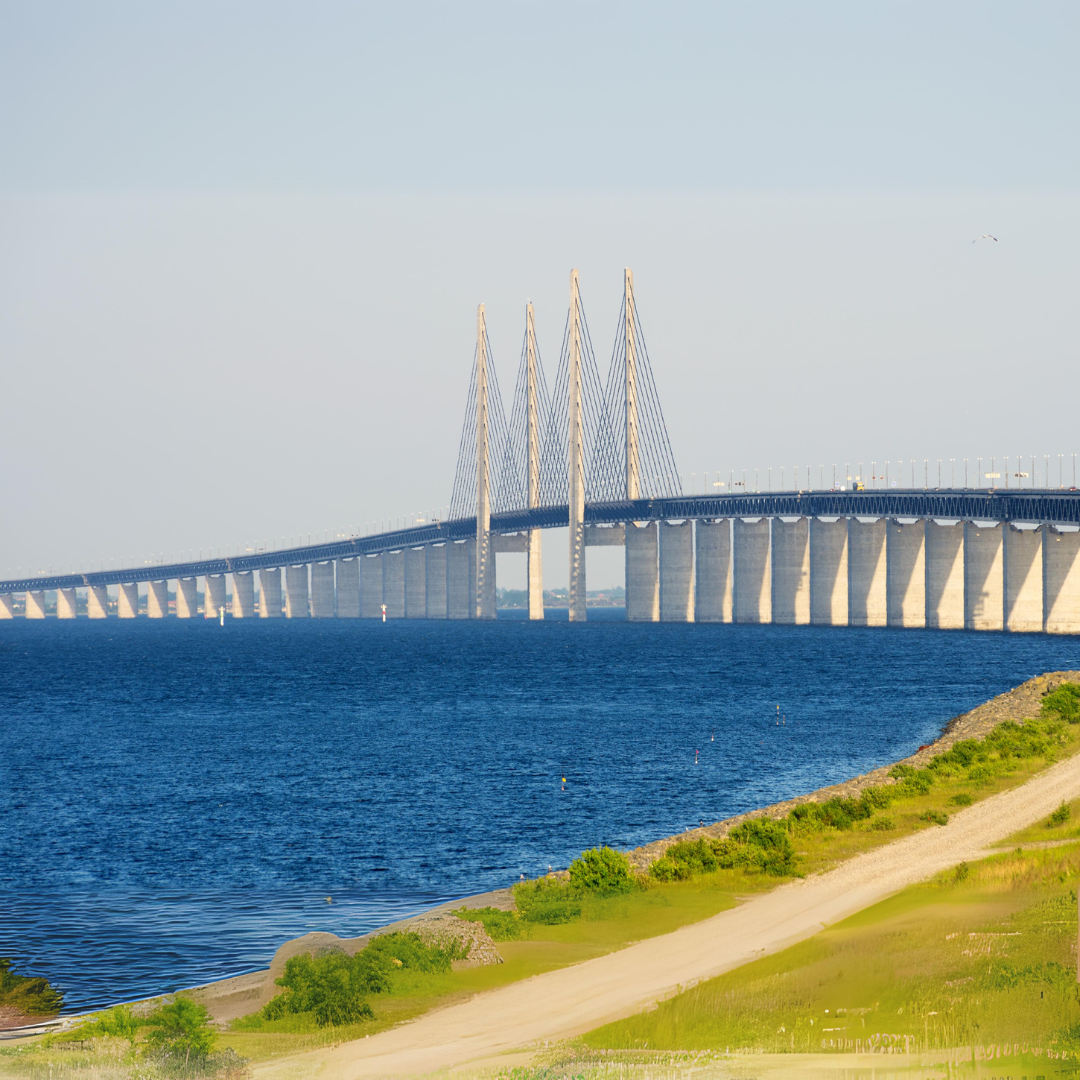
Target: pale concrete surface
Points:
x,y
829,572
7,606
605,535
270,593
322,591
867,573
712,598
371,579
348,589
393,583
97,602
35,604
296,592
1061,582
752,573
243,595
127,601
458,581
984,577
945,576
567,1002
435,581
905,573
416,584
187,598
65,603
1023,579
534,573
157,599
791,572
677,572
642,572
213,595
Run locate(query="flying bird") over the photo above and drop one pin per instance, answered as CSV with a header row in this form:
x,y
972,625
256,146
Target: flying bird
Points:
x,y
985,236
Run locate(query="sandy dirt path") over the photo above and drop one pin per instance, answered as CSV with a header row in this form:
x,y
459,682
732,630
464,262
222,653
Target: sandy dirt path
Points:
x,y
572,1000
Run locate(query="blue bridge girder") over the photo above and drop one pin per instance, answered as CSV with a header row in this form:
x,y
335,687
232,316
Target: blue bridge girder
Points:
x,y
1032,506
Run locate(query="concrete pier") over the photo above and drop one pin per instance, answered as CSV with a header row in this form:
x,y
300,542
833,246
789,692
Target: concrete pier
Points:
x,y
213,595
677,571
348,588
97,602
534,572
435,581
393,583
984,577
322,590
416,584
35,605
157,599
1023,579
642,572
127,601
1061,581
791,572
65,603
371,576
187,598
458,581
906,573
297,605
243,594
945,575
7,606
269,593
867,573
712,596
829,572
752,571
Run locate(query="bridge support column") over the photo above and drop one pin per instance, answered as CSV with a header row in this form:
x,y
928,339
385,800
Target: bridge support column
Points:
x,y
269,593
677,571
435,581
984,577
97,602
243,594
187,598
157,599
752,578
322,590
348,588
945,576
535,574
1061,581
791,572
35,604
906,573
416,584
213,595
829,572
1023,579
65,603
296,592
127,601
642,573
712,597
393,584
867,573
7,606
371,579
458,581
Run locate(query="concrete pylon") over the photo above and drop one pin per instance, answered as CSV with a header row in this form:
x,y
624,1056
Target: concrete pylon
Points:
x,y
867,573
157,599
415,583
348,588
484,569
905,573
97,602
243,594
269,593
187,598
712,595
322,590
752,571
576,461
533,558
214,595
65,603
829,572
791,572
642,572
1061,581
945,576
297,605
35,604
458,592
676,571
435,581
127,601
393,584
371,579
7,606
984,577
630,390
1023,579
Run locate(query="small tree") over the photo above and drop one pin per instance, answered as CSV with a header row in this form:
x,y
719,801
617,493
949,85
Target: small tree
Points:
x,y
182,1028
603,871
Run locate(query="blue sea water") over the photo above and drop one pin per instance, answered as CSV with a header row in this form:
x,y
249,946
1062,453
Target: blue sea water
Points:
x,y
178,798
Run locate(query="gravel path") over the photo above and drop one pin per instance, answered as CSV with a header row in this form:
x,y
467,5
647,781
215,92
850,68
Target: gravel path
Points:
x,y
567,1002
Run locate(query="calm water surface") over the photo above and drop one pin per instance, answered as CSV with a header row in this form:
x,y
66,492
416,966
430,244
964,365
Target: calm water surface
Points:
x,y
178,798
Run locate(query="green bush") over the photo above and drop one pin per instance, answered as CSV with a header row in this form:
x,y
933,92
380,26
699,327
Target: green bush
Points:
x,y
961,798
1063,702
883,823
603,872
119,1022
548,901
181,1030
1060,815
759,845
28,994
500,925
935,817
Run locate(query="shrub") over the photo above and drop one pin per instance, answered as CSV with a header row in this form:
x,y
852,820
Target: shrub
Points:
x,y
602,871
1061,814
500,925
961,798
29,994
911,781
118,1022
883,823
758,844
935,817
1063,702
182,1029
548,902
961,872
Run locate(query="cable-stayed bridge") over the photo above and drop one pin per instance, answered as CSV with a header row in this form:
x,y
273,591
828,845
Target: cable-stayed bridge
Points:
x,y
592,452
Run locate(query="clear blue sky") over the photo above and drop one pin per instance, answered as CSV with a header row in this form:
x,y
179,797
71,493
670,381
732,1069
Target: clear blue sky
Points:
x,y
256,233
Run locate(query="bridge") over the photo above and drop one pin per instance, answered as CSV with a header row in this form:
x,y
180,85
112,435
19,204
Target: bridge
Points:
x,y
594,456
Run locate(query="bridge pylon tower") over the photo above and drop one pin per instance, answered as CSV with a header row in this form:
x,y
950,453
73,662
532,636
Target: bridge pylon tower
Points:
x,y
630,381
534,564
576,460
484,600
